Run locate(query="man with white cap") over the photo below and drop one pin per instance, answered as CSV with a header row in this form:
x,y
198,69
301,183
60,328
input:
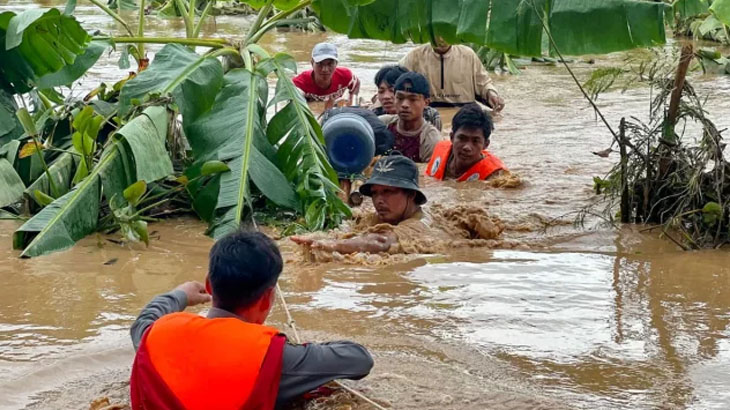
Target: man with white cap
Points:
x,y
326,81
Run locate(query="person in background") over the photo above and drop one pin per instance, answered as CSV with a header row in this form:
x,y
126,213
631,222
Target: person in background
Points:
x,y
397,199
465,157
385,81
455,73
326,81
229,359
415,138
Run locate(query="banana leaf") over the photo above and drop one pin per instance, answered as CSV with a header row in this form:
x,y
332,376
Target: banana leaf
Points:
x,y
300,151
690,8
721,10
35,43
74,215
233,131
193,81
10,128
11,186
510,26
62,170
70,73
146,136
69,218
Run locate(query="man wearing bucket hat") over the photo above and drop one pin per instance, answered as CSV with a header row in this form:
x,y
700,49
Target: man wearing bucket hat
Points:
x,y
326,81
397,199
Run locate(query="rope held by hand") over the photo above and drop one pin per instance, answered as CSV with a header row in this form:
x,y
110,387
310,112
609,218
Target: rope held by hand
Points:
x,y
292,325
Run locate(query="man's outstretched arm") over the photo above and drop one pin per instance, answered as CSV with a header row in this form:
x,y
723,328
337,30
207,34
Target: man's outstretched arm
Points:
x,y
307,367
367,243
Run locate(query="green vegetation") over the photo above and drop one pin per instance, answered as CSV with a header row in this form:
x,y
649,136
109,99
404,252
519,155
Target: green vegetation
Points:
x,y
702,19
183,134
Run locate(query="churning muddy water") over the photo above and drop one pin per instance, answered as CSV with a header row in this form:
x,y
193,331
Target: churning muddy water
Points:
x,y
560,317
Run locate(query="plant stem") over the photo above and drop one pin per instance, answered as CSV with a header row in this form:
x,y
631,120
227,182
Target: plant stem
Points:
x,y
46,102
223,51
272,22
140,28
184,14
679,80
63,151
113,15
206,10
147,208
213,43
259,21
266,28
287,13
191,12
51,182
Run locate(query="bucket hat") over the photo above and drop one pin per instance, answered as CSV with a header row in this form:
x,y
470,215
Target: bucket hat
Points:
x,y
396,171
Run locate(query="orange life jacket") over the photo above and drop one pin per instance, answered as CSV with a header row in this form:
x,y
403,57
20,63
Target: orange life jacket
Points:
x,y
186,361
481,170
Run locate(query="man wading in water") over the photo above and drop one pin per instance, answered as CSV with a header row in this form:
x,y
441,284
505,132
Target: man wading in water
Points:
x,y
229,359
414,137
326,81
465,157
397,200
385,80
456,75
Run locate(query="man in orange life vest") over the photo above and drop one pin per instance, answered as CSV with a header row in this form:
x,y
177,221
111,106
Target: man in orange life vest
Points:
x,y
229,359
465,157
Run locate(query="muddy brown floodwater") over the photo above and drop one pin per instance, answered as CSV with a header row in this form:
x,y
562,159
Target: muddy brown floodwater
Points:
x,y
567,318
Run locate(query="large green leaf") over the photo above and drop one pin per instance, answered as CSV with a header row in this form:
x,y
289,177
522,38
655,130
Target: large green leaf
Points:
x,y
581,27
37,42
300,151
10,127
721,10
512,26
74,215
146,135
515,27
67,219
231,132
690,8
70,73
11,186
193,80
62,170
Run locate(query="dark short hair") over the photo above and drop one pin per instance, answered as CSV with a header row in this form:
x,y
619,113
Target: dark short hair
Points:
x,y
414,83
473,116
242,266
389,74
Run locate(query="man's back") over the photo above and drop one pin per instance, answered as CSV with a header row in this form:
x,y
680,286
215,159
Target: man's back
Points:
x,y
199,363
285,371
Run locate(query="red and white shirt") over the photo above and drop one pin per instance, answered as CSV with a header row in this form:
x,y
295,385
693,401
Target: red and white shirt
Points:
x,y
342,80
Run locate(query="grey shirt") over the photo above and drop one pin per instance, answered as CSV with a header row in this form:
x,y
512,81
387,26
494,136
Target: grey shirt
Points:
x,y
304,367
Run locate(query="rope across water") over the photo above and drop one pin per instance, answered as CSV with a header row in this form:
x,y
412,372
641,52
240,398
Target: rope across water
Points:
x,y
292,325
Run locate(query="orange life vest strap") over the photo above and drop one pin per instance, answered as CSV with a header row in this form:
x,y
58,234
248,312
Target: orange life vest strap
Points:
x,y
208,363
481,170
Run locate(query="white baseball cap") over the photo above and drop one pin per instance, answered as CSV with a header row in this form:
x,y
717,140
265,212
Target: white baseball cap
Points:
x,y
324,51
